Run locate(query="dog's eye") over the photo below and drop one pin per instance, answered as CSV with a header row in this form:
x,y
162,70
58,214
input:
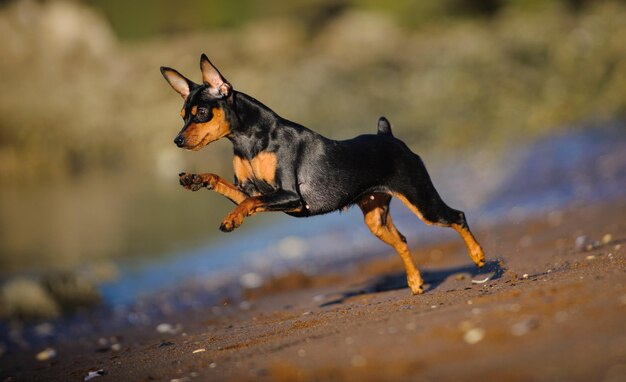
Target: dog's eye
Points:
x,y
203,112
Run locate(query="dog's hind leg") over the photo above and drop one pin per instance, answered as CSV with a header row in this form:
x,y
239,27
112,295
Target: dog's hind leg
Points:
x,y
421,197
375,209
194,182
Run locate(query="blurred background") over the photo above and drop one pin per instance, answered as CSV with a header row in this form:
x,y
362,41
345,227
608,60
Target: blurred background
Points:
x,y
88,170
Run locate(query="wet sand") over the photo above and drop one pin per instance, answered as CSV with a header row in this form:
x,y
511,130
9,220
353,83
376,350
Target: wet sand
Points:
x,y
553,308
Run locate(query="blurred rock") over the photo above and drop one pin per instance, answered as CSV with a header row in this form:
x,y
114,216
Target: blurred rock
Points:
x,y
251,280
581,242
474,335
25,298
71,291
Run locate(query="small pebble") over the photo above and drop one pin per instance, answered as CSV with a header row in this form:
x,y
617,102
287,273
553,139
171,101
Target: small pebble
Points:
x,y
164,328
198,351
523,327
251,280
212,365
525,275
307,313
116,347
474,336
46,354
606,239
580,242
590,257
481,281
95,374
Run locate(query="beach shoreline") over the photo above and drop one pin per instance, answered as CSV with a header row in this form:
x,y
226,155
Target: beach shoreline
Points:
x,y
551,304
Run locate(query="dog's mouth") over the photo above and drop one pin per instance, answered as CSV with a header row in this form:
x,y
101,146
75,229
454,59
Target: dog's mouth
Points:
x,y
203,142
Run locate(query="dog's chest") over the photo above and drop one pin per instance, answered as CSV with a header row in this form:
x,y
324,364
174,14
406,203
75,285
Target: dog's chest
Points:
x,y
260,169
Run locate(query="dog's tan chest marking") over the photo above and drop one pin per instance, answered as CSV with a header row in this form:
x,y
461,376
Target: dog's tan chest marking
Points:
x,y
261,167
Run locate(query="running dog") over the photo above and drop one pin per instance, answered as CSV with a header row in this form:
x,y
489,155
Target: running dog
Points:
x,y
283,166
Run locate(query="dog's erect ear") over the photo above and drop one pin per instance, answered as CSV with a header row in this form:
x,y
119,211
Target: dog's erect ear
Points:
x,y
218,86
181,84
384,127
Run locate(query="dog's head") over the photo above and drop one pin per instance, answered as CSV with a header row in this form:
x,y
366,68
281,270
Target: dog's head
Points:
x,y
206,112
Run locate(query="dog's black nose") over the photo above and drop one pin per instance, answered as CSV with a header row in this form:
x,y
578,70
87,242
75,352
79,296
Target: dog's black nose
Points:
x,y
179,140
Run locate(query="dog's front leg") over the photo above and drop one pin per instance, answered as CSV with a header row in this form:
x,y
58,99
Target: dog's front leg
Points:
x,y
194,182
280,200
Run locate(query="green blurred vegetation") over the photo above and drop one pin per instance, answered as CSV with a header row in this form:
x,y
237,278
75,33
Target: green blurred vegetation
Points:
x,y
82,97
144,18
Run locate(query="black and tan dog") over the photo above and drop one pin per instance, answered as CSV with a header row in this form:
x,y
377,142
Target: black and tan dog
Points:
x,y
282,166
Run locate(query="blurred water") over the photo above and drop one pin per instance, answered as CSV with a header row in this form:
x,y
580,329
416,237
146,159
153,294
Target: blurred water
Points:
x,y
578,166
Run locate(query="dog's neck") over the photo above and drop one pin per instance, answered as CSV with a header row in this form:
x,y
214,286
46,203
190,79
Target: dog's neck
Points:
x,y
254,122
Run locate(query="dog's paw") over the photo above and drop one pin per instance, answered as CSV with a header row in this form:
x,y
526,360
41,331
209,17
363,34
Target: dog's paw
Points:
x,y
415,283
232,221
194,182
478,256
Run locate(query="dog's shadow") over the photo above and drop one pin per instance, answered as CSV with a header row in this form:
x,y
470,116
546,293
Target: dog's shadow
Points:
x,y
432,279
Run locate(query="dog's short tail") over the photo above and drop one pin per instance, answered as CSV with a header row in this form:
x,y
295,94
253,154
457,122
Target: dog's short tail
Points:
x,y
384,127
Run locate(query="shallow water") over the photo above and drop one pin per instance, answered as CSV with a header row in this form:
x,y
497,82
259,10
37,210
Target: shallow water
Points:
x,y
578,166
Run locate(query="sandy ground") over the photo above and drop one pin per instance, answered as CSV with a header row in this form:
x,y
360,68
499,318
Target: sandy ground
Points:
x,y
552,309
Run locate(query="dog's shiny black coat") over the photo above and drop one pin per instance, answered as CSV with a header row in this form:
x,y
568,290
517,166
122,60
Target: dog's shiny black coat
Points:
x,y
317,175
282,166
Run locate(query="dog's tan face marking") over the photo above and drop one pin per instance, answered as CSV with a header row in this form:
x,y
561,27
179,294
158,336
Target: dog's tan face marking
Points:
x,y
194,110
261,167
198,135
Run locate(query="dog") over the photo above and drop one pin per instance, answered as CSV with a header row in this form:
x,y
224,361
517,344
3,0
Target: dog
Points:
x,y
280,165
